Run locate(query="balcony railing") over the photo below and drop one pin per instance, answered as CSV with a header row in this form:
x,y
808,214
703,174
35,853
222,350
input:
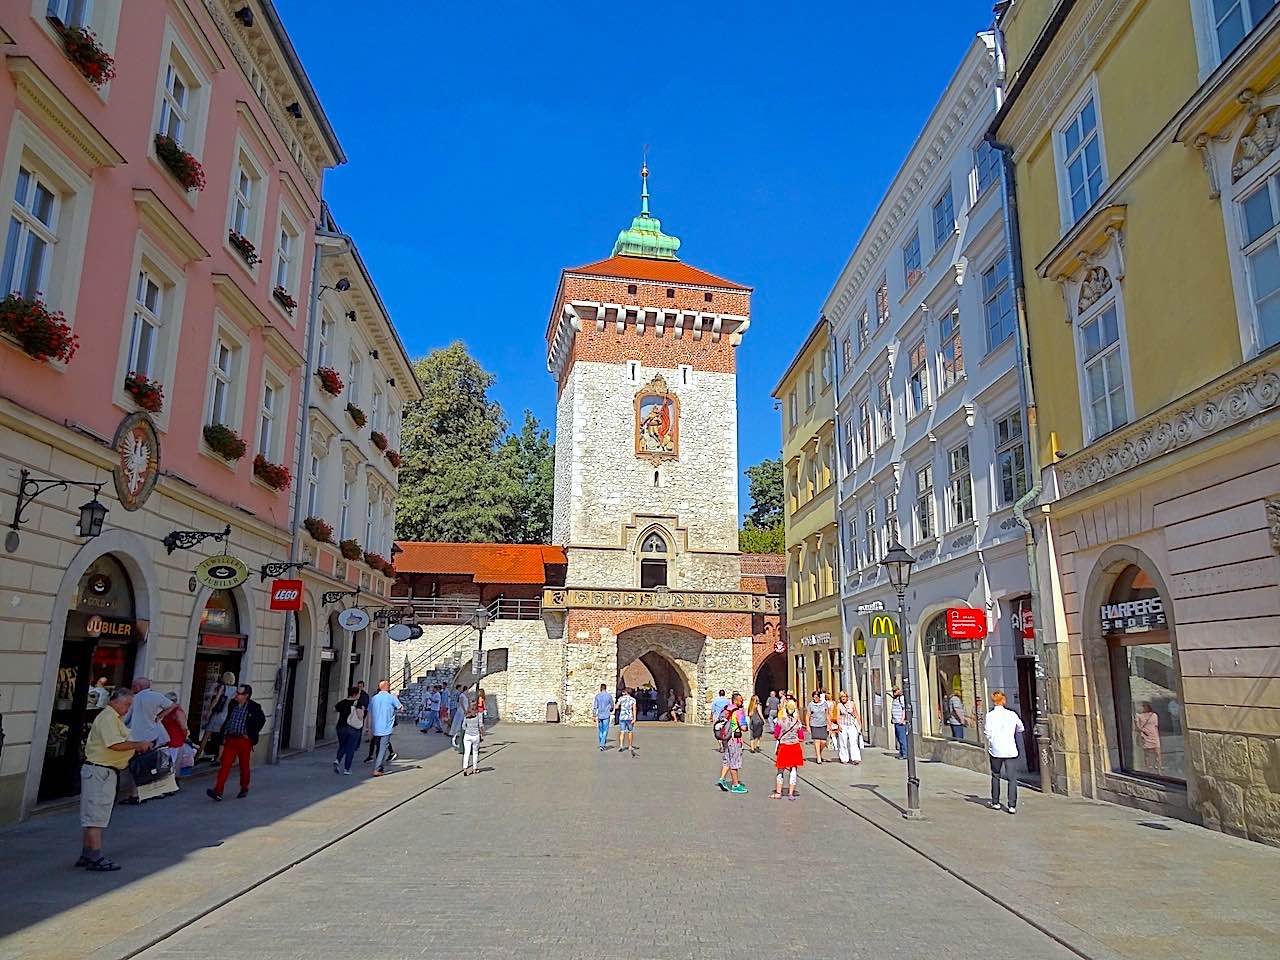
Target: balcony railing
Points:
x,y
449,611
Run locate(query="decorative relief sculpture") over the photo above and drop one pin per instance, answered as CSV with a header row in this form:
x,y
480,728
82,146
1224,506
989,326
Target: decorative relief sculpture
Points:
x,y
1096,283
657,422
1258,143
1273,521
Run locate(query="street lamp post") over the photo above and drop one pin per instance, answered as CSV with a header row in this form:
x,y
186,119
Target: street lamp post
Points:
x,y
479,620
898,563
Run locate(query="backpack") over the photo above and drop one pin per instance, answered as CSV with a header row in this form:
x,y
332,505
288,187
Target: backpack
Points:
x,y
723,729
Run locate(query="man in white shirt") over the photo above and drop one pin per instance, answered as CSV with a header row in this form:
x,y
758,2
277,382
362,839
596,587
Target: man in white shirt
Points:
x,y
898,716
627,722
1002,729
382,720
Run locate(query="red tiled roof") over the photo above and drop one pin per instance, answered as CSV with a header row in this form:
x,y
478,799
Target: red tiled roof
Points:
x,y
487,562
666,271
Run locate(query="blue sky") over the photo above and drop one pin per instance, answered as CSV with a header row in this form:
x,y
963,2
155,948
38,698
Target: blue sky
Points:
x,y
488,150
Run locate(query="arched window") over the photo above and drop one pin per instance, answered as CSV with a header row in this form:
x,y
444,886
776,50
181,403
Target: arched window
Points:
x,y
653,561
955,682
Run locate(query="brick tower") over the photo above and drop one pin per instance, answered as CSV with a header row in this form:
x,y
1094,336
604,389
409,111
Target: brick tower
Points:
x,y
642,347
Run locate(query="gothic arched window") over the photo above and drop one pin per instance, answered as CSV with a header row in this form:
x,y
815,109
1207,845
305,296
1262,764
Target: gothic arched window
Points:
x,y
653,561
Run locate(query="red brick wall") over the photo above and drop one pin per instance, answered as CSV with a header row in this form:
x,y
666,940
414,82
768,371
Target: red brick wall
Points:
x,y
718,625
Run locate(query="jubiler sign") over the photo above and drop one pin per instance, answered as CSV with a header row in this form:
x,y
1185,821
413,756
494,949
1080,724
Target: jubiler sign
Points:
x,y
1134,616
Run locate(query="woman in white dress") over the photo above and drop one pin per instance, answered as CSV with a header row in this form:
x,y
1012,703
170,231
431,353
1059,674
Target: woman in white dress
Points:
x,y
848,729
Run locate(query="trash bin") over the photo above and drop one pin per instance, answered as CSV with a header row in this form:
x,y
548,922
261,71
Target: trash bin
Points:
x,y
553,712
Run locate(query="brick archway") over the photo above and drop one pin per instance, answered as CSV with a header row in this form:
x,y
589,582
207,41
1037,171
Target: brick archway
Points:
x,y
672,652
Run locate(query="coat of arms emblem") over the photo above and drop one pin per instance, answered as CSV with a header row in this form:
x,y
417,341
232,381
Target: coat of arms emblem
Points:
x,y
137,460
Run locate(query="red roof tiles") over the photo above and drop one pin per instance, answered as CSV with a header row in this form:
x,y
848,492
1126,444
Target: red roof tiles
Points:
x,y
486,562
664,271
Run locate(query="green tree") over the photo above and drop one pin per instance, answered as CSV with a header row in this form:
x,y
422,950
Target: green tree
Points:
x,y
764,483
526,461
762,539
451,487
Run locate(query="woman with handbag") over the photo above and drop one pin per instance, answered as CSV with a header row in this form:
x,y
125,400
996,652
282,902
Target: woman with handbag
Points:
x,y
755,718
848,729
351,718
789,732
175,725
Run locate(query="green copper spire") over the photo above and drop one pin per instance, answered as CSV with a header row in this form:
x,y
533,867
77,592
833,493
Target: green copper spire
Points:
x,y
645,237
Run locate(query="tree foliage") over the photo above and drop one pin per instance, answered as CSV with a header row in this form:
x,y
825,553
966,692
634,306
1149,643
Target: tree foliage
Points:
x,y
460,480
764,483
762,539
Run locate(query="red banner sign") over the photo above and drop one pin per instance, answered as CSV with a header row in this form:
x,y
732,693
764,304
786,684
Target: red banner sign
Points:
x,y
286,594
966,623
1028,624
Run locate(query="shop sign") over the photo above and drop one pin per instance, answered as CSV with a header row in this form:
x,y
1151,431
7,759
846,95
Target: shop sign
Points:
x,y
1134,616
966,623
353,619
400,632
137,460
1025,622
885,627
875,606
780,645
109,627
286,594
222,572
815,639
97,592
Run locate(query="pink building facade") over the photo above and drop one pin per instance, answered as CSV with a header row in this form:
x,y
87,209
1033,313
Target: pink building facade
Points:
x,y
168,215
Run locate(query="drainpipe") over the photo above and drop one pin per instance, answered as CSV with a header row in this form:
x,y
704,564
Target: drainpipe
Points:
x,y
846,657
1026,394
329,243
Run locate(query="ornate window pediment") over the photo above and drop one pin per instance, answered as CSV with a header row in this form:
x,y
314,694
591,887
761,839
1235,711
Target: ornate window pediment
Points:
x,y
1095,285
1257,143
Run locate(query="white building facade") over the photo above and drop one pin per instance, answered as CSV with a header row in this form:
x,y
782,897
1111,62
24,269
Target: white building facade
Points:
x,y
931,429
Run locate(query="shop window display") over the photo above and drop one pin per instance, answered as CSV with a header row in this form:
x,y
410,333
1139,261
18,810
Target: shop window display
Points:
x,y
955,683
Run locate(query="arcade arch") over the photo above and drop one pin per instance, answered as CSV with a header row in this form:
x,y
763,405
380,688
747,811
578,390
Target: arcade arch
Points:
x,y
670,654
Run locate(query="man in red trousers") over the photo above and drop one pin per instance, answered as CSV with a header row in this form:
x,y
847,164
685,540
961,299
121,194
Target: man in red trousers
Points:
x,y
245,720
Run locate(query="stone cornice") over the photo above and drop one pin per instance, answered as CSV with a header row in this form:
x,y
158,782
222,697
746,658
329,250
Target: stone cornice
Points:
x,y
228,293
162,222
1246,392
281,347
41,97
693,601
1084,242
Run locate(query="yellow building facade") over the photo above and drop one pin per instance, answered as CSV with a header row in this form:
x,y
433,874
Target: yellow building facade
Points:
x,y
806,396
1143,138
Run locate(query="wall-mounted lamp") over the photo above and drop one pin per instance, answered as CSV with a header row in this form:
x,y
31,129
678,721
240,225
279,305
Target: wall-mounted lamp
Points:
x,y
92,514
245,15
294,110
351,315
374,354
342,286
391,381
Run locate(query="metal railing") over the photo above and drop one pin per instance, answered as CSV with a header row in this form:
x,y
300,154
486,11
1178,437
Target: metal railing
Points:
x,y
451,610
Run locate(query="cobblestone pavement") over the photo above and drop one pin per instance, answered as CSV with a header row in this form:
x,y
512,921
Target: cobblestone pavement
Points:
x,y
559,851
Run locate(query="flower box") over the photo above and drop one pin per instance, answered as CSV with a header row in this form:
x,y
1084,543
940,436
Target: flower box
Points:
x,y
86,53
393,456
274,475
244,246
351,549
320,530
357,415
379,439
185,168
376,561
283,298
330,381
224,441
41,333
146,393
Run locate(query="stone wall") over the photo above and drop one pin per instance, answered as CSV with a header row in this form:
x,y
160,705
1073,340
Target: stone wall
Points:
x,y
1239,784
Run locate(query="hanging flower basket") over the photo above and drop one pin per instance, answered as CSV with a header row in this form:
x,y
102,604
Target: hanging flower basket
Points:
x,y
283,298
379,439
146,393
41,333
330,381
274,475
244,246
357,415
224,441
185,168
350,549
87,54
319,530
393,456
374,560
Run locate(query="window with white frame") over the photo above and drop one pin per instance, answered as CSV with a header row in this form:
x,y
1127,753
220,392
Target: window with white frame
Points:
x,y
925,518
986,164
864,330
871,535
270,428
892,534
864,427
353,379
1098,336
850,444
959,487
793,406
1234,19
72,13
344,515
810,388
950,350
287,256
1081,155
882,303
826,366
997,302
370,523
884,411
226,358
851,558
375,409
388,516
1260,216
846,354
918,379
313,485
144,332
247,196
33,233
944,218
1011,458
911,258
325,337
175,105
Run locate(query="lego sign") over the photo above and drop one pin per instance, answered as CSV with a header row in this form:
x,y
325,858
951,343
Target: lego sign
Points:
x,y
966,623
286,594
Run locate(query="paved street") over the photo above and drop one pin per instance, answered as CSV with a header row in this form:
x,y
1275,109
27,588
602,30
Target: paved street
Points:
x,y
560,851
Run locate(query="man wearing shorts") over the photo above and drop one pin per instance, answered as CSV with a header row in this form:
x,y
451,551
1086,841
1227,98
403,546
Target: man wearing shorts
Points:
x,y
627,722
107,751
601,711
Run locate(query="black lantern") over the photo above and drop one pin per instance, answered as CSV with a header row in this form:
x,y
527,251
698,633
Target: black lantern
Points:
x,y
91,516
480,618
898,563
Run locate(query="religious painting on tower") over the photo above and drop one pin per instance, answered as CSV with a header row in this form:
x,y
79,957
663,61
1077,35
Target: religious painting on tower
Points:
x,y
657,421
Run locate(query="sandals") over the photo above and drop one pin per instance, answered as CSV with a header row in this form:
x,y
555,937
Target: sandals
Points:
x,y
101,865
775,796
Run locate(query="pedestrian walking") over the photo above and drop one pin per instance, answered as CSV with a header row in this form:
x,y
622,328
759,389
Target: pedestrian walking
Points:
x,y
145,721
731,730
956,718
819,719
755,718
433,709
481,706
1002,728
471,741
1147,725
675,707
847,725
382,720
898,716
107,750
627,722
601,711
717,706
771,707
245,721
215,715
351,722
175,726
789,732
